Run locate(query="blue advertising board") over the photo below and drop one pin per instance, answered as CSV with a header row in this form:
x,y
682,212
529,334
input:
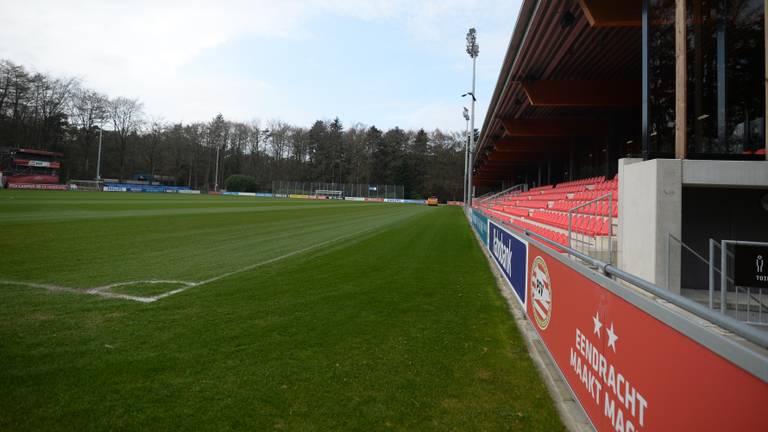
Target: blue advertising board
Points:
x,y
480,224
510,253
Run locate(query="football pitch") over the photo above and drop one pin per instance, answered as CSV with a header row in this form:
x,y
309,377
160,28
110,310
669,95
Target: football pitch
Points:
x,y
168,312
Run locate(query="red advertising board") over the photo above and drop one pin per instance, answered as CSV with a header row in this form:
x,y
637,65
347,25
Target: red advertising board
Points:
x,y
629,370
374,199
37,186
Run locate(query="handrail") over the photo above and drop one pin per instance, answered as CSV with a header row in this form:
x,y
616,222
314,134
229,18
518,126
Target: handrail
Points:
x,y
571,210
507,190
737,327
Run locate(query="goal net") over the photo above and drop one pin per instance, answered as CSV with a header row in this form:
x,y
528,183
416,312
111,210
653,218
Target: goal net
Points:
x,y
332,194
85,185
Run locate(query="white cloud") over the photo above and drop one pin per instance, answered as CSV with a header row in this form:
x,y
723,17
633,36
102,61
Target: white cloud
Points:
x,y
140,48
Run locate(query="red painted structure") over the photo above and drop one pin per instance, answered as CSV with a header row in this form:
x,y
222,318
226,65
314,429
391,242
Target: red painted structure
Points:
x,y
629,370
28,166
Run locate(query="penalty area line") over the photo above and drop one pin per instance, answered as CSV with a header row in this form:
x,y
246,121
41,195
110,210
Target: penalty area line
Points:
x,y
103,291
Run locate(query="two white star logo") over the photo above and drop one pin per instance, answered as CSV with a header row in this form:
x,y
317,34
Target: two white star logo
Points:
x,y
598,324
612,337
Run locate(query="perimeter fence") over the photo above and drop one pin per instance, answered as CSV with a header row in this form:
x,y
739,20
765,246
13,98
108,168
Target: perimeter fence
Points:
x,y
340,190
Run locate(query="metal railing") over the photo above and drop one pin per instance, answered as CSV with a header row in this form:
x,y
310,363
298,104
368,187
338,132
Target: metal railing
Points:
x,y
733,325
593,245
745,299
285,188
522,187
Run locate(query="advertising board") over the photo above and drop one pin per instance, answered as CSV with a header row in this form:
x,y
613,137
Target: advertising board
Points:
x,y
46,186
510,253
480,224
629,370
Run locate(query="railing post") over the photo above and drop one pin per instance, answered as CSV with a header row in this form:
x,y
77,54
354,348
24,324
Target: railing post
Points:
x,y
610,228
669,254
723,274
711,273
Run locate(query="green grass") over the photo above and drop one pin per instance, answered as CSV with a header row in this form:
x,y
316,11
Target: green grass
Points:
x,y
394,324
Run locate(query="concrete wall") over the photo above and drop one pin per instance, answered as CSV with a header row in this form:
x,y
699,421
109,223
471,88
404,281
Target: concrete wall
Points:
x,y
650,208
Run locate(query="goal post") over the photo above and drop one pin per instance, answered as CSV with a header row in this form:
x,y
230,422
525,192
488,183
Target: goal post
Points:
x,y
331,194
85,185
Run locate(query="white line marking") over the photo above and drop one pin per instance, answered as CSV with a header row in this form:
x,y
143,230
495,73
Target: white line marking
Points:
x,y
57,288
103,291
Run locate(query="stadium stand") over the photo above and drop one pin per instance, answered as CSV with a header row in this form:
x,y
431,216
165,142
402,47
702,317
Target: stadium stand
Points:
x,y
545,209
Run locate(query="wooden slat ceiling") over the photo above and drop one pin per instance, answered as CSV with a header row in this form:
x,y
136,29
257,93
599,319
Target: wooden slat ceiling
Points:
x,y
559,45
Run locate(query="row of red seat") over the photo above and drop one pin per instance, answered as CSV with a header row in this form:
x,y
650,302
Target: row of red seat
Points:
x,y
599,208
511,210
608,185
552,235
541,188
594,194
587,181
585,224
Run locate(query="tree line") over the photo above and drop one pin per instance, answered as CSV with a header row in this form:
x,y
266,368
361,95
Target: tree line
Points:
x,y
43,112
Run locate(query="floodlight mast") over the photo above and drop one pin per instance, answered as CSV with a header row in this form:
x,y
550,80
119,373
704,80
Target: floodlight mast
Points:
x,y
98,160
466,155
473,49
216,175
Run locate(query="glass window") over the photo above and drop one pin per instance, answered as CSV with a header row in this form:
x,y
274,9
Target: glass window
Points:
x,y
661,78
745,76
727,35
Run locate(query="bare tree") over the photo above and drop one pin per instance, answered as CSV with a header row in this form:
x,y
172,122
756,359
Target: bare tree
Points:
x,y
88,110
126,116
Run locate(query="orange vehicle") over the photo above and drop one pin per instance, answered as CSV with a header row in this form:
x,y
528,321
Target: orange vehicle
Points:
x,y
432,201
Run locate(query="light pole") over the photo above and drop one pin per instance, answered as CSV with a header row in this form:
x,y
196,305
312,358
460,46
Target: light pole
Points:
x,y
473,50
216,174
98,160
466,156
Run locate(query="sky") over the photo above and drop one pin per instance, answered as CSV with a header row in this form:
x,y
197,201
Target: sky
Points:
x,y
379,62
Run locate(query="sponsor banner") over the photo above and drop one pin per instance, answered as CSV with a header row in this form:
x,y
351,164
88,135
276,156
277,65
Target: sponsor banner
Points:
x,y
250,194
264,194
394,200
189,191
280,195
46,186
480,224
510,253
354,199
298,196
36,163
630,371
456,203
374,200
131,187
413,201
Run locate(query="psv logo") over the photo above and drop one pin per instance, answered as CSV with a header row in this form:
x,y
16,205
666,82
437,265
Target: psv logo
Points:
x,y
541,293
